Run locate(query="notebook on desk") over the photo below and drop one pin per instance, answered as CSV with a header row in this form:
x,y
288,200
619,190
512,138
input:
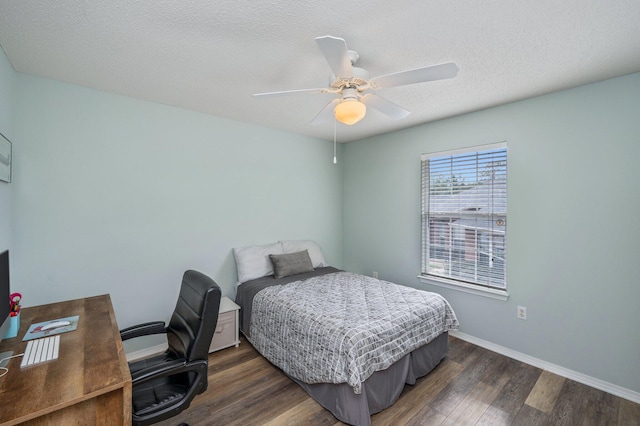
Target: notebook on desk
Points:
x,y
36,330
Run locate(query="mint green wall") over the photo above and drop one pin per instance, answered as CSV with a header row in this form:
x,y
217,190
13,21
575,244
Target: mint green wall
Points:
x,y
574,194
116,195
7,83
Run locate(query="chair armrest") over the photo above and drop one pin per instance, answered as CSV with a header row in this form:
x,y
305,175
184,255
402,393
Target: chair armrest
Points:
x,y
146,329
168,369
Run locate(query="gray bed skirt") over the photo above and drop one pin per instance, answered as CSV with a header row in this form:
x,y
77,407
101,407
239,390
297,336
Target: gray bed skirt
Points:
x,y
380,390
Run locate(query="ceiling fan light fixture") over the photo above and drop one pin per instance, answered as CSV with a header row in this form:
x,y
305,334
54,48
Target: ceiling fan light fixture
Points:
x,y
350,111
352,85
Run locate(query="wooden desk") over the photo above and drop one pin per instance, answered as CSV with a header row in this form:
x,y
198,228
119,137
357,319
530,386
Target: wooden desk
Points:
x,y
89,383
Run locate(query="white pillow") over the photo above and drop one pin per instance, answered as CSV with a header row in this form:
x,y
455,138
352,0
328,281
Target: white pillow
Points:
x,y
315,252
253,261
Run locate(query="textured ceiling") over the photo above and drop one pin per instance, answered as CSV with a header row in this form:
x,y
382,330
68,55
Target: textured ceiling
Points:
x,y
211,56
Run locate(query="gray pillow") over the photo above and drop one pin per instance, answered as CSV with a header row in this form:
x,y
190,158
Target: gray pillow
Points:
x,y
288,264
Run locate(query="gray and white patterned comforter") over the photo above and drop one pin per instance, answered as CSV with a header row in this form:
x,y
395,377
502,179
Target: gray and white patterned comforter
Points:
x,y
343,327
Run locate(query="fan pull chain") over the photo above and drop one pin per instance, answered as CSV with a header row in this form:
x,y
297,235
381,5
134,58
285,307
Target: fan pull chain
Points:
x,y
335,123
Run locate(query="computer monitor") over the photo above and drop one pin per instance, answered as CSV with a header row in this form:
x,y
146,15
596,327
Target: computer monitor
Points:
x,y
5,292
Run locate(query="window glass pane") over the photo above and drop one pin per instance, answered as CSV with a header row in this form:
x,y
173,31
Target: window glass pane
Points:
x,y
464,216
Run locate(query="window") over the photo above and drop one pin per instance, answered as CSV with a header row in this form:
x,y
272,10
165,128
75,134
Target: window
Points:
x,y
464,216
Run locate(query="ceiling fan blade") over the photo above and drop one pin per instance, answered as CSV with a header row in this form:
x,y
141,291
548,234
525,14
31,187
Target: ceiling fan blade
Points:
x,y
290,92
326,114
418,75
385,106
335,52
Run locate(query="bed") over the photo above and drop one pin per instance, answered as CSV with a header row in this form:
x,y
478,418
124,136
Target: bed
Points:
x,y
351,341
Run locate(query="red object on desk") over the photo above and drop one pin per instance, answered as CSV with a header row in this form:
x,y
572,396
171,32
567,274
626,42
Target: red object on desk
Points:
x,y
14,302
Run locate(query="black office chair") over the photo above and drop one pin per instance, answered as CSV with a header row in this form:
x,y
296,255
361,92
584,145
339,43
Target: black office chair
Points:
x,y
165,384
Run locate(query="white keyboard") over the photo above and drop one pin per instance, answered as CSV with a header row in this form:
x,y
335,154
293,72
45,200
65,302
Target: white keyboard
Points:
x,y
41,350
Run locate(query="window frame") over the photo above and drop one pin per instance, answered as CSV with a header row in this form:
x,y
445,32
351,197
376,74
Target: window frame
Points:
x,y
452,282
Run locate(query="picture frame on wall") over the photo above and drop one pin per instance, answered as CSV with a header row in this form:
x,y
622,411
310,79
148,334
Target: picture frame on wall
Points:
x,y
5,159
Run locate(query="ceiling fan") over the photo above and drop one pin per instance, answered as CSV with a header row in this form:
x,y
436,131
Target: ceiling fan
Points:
x,y
355,89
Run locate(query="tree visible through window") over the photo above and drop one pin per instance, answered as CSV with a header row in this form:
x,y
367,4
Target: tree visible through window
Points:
x,y
464,215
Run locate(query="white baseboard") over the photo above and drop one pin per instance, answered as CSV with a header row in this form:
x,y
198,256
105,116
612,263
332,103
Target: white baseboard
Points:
x,y
143,353
556,369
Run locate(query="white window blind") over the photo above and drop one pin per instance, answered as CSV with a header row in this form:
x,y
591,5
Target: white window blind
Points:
x,y
464,215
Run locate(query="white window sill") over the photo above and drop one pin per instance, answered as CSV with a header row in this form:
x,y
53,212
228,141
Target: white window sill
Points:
x,y
466,288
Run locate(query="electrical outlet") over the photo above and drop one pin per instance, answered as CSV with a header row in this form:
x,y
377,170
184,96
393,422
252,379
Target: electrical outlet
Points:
x,y
375,274
522,312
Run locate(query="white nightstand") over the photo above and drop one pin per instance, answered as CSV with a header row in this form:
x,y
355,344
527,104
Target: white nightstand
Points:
x,y
226,333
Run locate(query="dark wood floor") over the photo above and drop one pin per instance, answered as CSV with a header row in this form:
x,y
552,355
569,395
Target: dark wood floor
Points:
x,y
471,386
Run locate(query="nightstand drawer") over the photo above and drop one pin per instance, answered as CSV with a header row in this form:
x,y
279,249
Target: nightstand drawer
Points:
x,y
226,333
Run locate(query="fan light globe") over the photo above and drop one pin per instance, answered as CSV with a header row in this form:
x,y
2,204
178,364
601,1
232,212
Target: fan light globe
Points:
x,y
350,111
